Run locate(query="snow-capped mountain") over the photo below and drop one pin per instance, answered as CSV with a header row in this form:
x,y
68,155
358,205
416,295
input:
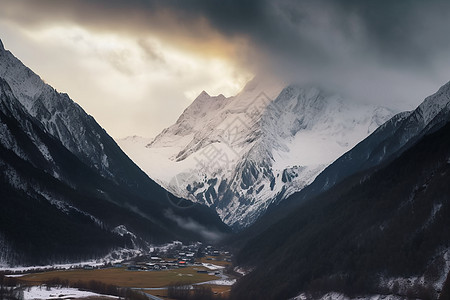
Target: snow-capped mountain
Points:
x,y
242,153
66,186
387,142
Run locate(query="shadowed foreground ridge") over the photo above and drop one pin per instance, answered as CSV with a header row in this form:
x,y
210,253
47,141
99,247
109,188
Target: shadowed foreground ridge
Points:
x,y
392,223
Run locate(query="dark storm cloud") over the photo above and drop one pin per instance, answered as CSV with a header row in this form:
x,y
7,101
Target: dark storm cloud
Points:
x,y
324,40
403,31
406,30
398,43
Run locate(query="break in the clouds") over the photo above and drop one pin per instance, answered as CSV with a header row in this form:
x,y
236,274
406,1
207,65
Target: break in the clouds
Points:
x,y
143,61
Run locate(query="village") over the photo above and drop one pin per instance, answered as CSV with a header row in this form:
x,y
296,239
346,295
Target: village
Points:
x,y
180,256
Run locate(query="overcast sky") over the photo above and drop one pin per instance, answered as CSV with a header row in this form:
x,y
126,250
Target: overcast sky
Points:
x,y
136,65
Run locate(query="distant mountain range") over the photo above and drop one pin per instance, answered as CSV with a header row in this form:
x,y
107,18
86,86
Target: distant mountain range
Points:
x,y
374,224
241,154
68,192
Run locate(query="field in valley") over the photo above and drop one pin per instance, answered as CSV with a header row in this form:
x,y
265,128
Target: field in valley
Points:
x,y
125,278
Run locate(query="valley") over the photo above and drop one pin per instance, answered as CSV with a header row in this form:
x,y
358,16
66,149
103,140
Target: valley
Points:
x,y
224,150
195,266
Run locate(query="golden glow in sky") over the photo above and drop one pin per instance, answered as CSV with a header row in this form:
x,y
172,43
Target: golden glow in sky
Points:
x,y
131,85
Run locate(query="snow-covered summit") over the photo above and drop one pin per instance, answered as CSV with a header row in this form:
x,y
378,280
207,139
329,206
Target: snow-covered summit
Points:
x,y
203,108
389,140
242,153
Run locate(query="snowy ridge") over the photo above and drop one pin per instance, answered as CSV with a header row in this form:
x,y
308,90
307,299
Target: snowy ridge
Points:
x,y
240,154
434,104
61,117
432,111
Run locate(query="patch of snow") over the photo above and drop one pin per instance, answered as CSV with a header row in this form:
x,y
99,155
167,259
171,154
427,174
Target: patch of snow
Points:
x,y
221,282
105,161
37,292
212,267
241,271
122,230
44,151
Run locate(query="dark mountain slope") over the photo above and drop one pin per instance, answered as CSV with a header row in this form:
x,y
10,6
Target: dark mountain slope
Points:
x,y
66,121
57,205
391,223
445,294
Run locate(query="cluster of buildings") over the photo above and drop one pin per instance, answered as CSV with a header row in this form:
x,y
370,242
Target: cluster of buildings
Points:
x,y
172,256
155,263
177,256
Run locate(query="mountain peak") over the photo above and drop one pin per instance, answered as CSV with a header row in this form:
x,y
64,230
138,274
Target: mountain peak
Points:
x,y
203,94
265,152
1,45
